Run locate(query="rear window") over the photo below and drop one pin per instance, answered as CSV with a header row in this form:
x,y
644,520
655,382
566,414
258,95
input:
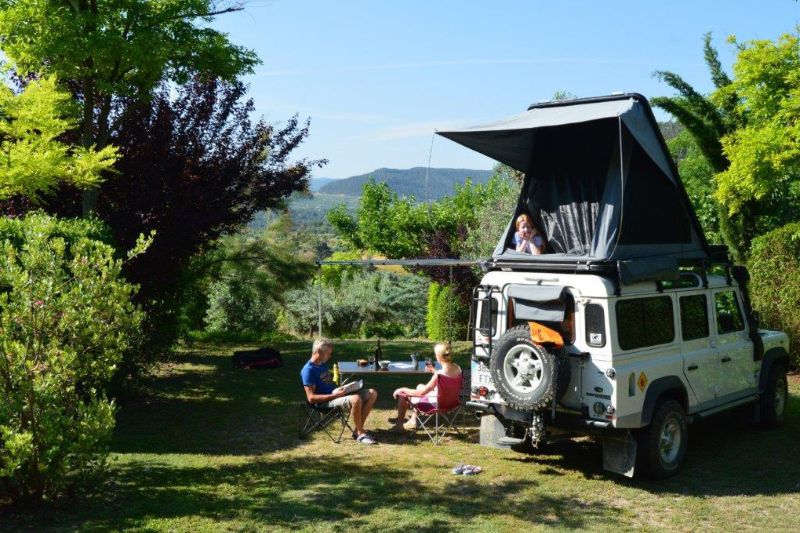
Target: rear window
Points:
x,y
644,322
488,316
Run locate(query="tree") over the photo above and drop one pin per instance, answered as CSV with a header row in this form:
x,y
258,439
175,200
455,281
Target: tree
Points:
x,y
193,167
748,131
114,54
34,158
244,279
708,119
401,228
764,152
698,178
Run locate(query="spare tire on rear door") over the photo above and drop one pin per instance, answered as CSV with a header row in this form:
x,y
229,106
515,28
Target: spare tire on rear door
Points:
x,y
527,375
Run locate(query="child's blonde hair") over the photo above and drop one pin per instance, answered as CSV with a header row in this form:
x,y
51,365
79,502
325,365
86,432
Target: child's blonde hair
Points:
x,y
442,351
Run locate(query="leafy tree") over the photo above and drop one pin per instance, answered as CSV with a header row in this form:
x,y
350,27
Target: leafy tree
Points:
x,y
708,119
494,216
698,178
764,152
747,130
193,166
365,304
66,317
244,279
115,54
34,157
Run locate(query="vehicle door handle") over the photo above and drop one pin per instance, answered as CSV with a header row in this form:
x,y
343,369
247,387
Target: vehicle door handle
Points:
x,y
725,359
692,367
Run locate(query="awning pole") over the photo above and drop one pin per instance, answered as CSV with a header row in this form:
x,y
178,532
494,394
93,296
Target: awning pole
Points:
x,y
319,302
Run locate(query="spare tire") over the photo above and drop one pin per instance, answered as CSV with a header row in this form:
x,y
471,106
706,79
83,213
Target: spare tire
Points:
x,y
527,375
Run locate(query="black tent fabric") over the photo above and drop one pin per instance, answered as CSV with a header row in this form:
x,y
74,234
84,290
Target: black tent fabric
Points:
x,y
599,184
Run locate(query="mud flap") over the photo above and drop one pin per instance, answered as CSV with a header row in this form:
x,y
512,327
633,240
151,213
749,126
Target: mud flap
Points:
x,y
619,454
492,430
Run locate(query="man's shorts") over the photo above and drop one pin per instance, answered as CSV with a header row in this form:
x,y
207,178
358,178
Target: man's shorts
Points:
x,y
344,401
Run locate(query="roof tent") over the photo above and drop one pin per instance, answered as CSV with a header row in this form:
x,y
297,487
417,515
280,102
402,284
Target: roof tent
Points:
x,y
599,183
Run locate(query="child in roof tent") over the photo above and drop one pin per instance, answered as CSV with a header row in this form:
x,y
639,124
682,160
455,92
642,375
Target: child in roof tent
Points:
x,y
528,239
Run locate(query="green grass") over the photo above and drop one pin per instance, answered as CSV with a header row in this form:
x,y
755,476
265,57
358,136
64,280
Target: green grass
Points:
x,y
212,448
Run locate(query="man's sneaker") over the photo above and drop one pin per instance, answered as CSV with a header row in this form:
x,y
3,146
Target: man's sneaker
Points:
x,y
365,439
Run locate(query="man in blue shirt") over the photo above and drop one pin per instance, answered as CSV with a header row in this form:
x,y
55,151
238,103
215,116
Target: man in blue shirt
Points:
x,y
320,389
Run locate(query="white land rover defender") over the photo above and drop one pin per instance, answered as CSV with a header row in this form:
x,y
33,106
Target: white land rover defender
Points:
x,y
629,326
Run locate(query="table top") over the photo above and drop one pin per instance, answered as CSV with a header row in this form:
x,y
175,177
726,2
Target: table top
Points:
x,y
395,367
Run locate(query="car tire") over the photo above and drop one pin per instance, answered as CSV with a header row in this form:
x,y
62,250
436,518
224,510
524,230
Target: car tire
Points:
x,y
662,444
526,374
773,401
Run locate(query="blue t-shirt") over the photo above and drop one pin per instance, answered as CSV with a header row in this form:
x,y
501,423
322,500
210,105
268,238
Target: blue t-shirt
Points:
x,y
317,376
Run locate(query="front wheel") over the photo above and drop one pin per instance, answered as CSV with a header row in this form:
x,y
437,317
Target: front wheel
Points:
x,y
662,444
773,401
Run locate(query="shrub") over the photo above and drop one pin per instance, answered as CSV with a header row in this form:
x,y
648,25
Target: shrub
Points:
x,y
236,306
65,318
447,316
775,282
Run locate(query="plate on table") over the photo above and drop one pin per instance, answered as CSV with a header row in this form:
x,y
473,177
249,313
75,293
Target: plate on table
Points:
x,y
402,366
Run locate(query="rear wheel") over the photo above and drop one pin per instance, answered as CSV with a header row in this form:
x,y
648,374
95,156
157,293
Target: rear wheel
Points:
x,y
662,444
773,401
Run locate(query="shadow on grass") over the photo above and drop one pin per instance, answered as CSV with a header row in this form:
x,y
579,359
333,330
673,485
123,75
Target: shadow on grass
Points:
x,y
201,404
725,457
305,492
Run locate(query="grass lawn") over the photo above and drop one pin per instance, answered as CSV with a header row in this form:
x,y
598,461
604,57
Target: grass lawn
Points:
x,y
212,448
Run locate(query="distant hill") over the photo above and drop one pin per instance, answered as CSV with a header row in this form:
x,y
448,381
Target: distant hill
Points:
x,y
317,183
410,182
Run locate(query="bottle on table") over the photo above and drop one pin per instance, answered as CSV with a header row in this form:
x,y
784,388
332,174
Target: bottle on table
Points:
x,y
336,373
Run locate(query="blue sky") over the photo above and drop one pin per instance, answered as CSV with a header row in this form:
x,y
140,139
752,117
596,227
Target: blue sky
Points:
x,y
377,78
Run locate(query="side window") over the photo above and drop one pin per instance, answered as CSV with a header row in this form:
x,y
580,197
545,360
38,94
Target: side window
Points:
x,y
729,315
694,317
644,322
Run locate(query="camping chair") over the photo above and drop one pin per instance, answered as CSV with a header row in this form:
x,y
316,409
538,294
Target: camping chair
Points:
x,y
319,417
439,418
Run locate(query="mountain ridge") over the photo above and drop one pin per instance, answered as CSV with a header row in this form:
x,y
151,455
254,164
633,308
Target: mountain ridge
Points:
x,y
409,182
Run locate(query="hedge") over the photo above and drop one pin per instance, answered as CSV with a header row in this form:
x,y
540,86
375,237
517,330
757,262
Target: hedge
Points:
x,y
775,282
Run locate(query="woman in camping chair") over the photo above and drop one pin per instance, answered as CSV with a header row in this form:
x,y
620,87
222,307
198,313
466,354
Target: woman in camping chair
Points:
x,y
426,394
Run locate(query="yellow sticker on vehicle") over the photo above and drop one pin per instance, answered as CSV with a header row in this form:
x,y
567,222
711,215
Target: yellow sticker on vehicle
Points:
x,y
642,382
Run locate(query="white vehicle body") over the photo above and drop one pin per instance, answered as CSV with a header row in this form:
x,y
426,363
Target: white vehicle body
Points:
x,y
709,363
